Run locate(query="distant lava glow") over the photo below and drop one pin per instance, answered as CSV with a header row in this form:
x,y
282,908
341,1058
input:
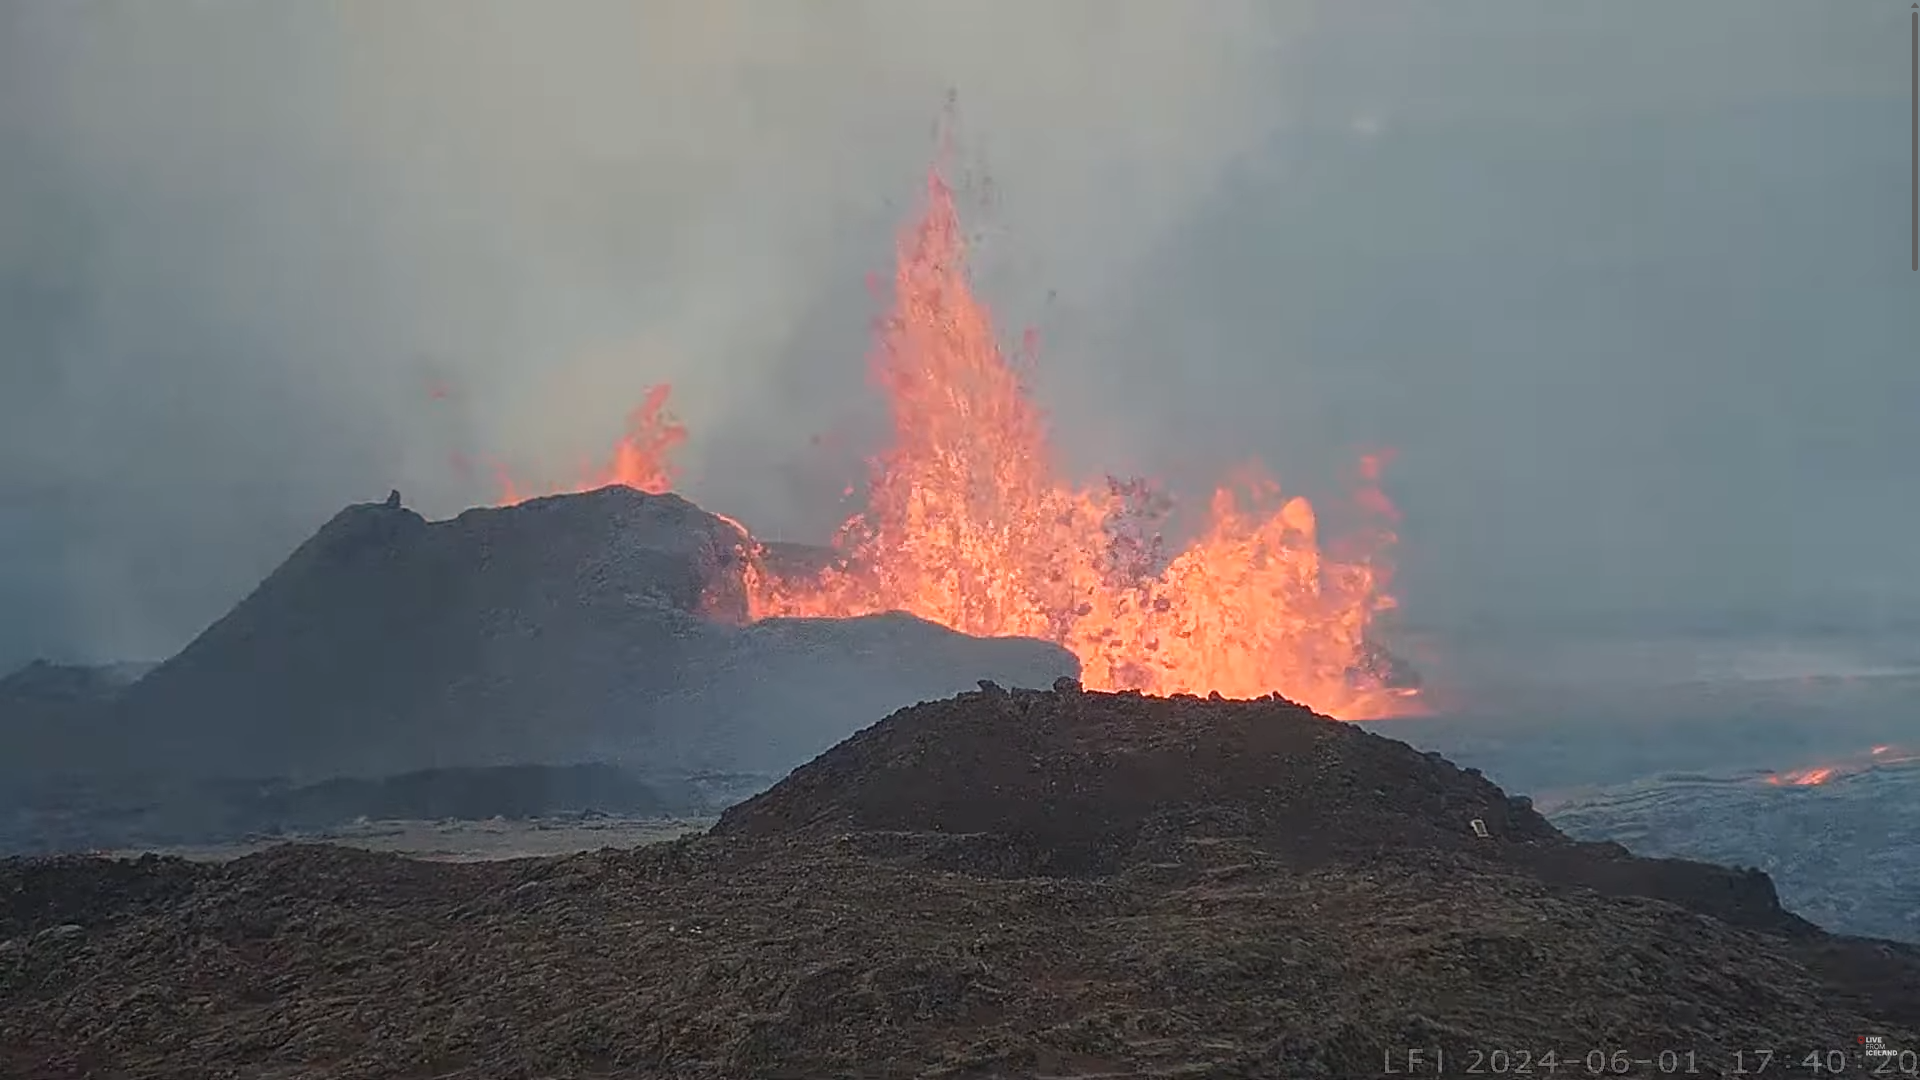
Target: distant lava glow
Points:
x,y
1877,757
966,524
1805,777
642,459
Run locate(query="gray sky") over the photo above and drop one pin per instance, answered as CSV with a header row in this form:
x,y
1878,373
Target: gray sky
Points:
x,y
1624,285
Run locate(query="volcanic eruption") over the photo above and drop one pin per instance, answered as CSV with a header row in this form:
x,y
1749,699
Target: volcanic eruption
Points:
x,y
968,525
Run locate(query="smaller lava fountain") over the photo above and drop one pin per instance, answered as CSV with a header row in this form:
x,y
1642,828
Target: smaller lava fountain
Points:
x,y
642,459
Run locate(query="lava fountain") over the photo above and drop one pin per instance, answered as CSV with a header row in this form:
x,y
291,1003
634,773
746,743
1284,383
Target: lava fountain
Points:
x,y
967,525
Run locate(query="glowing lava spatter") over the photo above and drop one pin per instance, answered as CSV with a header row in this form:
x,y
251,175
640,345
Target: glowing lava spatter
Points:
x,y
642,459
967,526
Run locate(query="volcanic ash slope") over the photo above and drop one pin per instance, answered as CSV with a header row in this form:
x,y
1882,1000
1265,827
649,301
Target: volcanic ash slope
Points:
x,y
602,625
1029,883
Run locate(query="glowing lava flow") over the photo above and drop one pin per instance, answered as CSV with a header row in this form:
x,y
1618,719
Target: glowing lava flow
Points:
x,y
966,526
642,459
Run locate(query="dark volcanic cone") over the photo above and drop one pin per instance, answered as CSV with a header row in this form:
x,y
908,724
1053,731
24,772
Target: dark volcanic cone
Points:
x,y
599,625
1076,783
389,640
1082,772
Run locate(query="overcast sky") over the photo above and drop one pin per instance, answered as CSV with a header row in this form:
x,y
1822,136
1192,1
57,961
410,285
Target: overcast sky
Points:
x,y
1624,284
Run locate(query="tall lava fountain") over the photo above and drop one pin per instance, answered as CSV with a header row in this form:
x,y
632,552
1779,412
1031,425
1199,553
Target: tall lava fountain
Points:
x,y
967,525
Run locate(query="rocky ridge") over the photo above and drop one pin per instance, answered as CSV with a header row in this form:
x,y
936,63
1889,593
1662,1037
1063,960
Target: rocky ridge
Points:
x,y
1007,883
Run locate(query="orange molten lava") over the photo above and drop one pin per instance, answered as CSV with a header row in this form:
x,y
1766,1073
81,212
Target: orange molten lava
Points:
x,y
1805,777
642,459
1876,757
966,525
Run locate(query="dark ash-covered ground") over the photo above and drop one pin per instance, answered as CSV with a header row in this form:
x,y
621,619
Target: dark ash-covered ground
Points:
x,y
1025,883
